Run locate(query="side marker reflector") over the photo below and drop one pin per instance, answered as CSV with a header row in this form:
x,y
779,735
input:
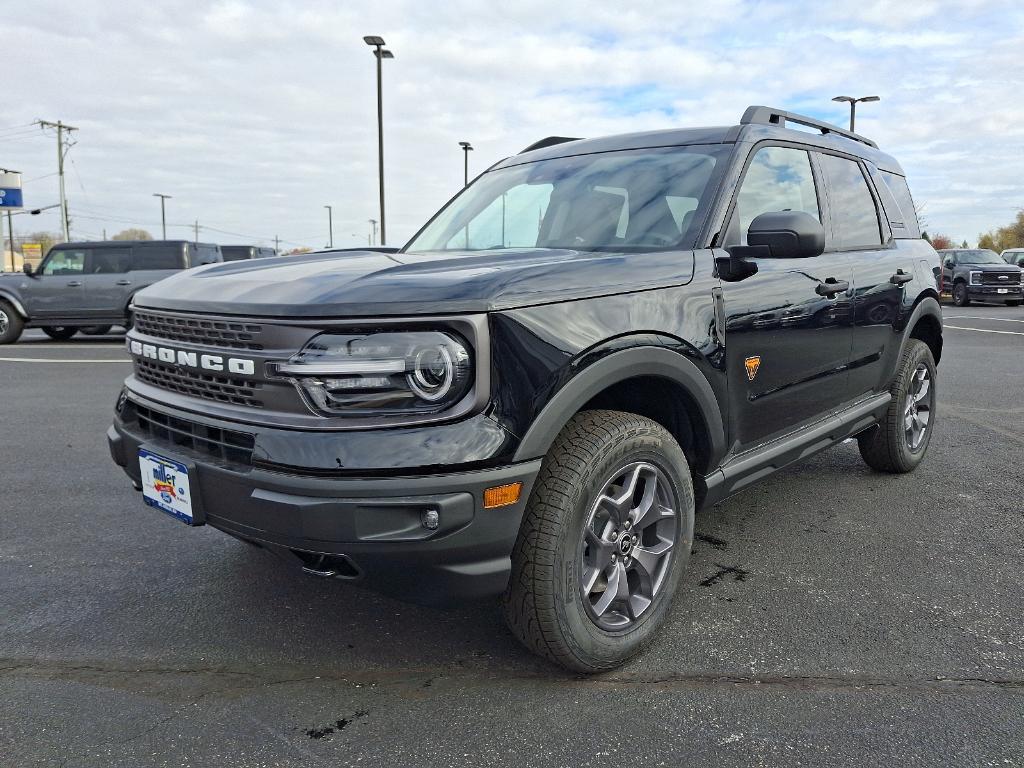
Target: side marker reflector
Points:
x,y
502,495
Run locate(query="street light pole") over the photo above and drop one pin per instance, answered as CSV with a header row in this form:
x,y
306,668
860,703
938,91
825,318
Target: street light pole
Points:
x,y
853,106
377,43
330,226
163,212
466,149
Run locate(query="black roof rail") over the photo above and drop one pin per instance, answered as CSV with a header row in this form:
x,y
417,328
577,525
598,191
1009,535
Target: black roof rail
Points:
x,y
550,141
758,115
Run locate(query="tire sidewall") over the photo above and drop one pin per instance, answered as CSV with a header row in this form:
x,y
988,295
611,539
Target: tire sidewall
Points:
x,y
593,646
15,324
960,295
920,355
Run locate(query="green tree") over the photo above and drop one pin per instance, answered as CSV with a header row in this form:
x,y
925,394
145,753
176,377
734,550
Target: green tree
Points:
x,y
132,234
1010,236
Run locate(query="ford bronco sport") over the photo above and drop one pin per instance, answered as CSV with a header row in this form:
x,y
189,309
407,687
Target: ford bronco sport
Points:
x,y
591,342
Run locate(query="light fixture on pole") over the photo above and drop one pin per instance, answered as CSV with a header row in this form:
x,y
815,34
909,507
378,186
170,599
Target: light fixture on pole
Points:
x,y
377,43
330,226
853,105
466,149
163,212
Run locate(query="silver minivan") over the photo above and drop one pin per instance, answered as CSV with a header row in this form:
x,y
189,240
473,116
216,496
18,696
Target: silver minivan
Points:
x,y
89,286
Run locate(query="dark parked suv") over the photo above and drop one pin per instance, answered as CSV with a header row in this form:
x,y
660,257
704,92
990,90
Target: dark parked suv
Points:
x,y
243,252
588,344
90,285
978,274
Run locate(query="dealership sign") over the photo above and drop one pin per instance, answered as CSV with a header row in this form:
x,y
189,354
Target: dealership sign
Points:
x,y
10,190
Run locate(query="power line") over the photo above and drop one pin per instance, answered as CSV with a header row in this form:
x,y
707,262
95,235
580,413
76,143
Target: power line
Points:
x,y
61,153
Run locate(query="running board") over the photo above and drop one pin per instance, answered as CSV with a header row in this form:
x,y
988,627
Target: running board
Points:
x,y
756,464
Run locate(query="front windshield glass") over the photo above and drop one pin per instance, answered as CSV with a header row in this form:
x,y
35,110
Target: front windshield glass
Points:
x,y
980,256
641,199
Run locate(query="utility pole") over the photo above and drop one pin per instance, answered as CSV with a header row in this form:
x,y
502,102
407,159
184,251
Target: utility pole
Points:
x,y
10,231
853,106
104,233
163,212
197,230
61,128
373,232
466,149
330,226
277,245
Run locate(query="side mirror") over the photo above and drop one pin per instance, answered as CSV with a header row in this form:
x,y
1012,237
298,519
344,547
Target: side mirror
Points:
x,y
786,235
948,263
26,268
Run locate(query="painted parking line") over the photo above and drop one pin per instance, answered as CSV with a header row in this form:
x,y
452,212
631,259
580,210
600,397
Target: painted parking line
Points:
x,y
981,330
979,317
67,360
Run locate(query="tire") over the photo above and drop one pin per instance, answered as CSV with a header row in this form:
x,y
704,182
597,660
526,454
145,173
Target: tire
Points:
x,y
11,323
129,322
60,332
890,445
1015,303
96,330
544,604
960,296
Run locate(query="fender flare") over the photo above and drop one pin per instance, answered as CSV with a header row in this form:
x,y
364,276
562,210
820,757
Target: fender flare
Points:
x,y
612,369
927,306
15,302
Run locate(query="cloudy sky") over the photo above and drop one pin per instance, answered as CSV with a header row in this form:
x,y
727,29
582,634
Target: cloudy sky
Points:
x,y
254,114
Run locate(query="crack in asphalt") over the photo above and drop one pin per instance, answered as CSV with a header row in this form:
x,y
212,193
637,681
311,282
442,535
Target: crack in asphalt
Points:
x,y
417,679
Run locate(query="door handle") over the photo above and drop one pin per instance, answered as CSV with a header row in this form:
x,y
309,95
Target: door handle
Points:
x,y
123,282
74,283
831,287
900,278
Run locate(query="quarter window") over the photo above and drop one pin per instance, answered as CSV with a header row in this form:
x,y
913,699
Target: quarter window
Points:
x,y
778,179
854,216
157,257
65,262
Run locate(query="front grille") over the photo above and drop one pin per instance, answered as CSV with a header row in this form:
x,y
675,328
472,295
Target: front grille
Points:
x,y
225,444
992,278
216,333
223,389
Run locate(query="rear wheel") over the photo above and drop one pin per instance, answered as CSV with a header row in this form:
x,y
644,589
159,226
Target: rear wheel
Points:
x,y
11,324
60,332
1014,303
96,330
605,538
960,296
898,443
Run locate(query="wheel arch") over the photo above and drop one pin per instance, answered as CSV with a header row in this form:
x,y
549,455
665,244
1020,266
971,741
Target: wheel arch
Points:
x,y
655,382
15,302
925,324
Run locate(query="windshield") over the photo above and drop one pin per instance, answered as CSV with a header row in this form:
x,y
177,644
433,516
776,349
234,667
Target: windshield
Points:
x,y
637,199
980,256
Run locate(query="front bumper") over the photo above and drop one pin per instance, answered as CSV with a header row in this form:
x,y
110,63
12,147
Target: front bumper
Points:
x,y
991,292
366,529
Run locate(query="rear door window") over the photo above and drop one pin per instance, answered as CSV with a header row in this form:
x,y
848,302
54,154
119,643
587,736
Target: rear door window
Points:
x,y
851,204
108,261
65,262
157,256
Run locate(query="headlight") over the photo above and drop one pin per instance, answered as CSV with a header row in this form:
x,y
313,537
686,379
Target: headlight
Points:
x,y
975,278
411,372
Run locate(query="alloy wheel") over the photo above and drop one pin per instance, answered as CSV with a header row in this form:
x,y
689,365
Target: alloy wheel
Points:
x,y
626,547
917,412
5,322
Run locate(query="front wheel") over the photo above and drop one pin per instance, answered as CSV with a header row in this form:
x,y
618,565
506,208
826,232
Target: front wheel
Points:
x,y
60,332
11,324
961,297
605,538
898,443
1013,303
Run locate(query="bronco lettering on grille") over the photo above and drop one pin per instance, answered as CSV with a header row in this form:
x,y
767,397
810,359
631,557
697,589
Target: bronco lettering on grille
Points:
x,y
237,365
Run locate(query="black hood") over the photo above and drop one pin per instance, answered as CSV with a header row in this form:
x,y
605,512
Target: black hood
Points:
x,y
1000,267
364,283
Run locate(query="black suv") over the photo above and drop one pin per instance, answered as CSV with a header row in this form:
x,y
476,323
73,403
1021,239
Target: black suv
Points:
x,y
243,252
90,286
588,344
978,274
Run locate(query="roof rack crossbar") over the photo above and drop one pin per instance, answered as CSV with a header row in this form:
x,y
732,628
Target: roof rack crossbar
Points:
x,y
550,141
759,115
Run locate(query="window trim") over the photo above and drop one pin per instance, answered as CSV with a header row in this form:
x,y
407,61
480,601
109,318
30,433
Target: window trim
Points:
x,y
49,256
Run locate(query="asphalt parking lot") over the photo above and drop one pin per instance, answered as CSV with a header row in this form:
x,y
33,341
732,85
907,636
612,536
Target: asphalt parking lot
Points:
x,y
830,615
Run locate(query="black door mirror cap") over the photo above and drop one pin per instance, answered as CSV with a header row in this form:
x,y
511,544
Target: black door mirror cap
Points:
x,y
787,235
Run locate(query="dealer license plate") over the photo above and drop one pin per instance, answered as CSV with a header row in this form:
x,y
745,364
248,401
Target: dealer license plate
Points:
x,y
165,485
